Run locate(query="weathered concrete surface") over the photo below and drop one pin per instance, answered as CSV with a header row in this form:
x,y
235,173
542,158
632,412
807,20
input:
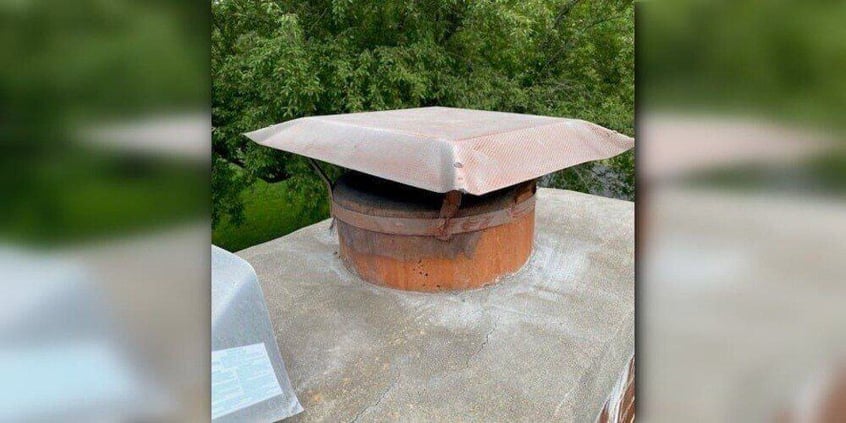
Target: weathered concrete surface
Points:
x,y
546,343
745,306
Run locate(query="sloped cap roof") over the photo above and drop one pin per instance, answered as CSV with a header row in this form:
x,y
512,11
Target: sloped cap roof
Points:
x,y
443,149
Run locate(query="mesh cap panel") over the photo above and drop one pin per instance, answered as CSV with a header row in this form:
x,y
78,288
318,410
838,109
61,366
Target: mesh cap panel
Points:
x,y
443,149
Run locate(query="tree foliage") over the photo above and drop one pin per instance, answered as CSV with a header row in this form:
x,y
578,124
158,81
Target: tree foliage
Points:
x,y
278,60
72,68
730,57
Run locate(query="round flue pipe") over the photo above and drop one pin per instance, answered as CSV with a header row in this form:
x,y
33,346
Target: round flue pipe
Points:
x,y
408,238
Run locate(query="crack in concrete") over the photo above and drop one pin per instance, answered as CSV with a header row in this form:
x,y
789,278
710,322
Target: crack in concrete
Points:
x,y
485,342
375,404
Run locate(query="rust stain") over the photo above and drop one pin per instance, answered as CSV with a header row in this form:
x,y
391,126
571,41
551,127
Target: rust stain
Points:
x,y
452,201
401,246
407,238
427,264
624,404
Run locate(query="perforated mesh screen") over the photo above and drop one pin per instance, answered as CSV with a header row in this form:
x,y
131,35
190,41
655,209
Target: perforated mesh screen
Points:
x,y
443,149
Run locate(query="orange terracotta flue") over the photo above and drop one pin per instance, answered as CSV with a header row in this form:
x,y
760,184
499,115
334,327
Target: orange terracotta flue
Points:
x,y
411,239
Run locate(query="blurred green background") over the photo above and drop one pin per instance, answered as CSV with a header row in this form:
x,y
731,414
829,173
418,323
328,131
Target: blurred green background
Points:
x,y
73,68
779,60
274,61
773,63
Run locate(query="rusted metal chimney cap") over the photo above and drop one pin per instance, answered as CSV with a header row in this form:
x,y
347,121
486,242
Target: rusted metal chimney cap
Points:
x,y
364,193
444,149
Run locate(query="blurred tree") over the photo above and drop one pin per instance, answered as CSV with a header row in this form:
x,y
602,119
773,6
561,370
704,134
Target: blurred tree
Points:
x,y
730,57
71,67
278,60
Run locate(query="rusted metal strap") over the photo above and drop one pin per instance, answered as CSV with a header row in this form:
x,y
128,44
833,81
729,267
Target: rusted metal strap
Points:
x,y
322,175
433,226
452,201
330,187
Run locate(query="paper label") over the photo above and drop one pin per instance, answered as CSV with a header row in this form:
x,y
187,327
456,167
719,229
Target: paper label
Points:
x,y
241,377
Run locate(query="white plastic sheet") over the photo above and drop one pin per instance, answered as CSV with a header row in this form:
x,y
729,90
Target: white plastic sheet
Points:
x,y
245,356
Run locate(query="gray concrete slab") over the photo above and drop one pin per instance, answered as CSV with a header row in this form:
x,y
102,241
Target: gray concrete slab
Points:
x,y
745,305
548,342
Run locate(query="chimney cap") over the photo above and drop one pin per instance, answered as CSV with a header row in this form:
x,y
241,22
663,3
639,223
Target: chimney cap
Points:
x,y
444,149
